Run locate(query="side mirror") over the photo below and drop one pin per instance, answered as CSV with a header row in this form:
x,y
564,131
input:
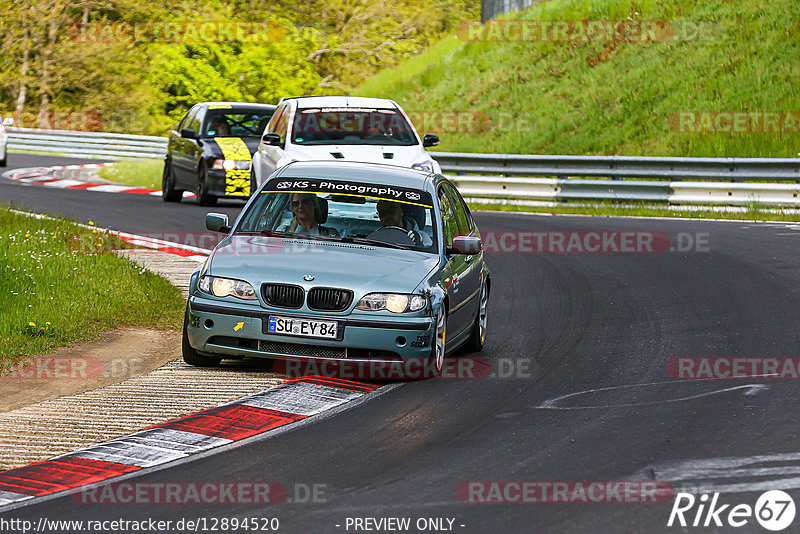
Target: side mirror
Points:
x,y
430,140
272,138
466,245
8,121
217,222
188,133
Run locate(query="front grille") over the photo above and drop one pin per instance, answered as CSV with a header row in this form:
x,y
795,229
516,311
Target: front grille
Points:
x,y
301,349
329,299
283,295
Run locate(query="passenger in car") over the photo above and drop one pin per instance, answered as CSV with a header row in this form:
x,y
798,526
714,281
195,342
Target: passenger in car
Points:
x,y
393,214
310,212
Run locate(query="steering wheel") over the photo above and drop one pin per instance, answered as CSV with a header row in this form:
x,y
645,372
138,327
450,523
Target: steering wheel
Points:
x,y
392,234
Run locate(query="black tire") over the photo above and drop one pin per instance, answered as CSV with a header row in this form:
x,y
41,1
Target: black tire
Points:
x,y
204,197
190,355
253,183
436,358
478,335
3,162
168,191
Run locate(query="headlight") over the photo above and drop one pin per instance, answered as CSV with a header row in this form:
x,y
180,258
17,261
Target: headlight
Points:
x,y
394,302
231,165
426,166
223,287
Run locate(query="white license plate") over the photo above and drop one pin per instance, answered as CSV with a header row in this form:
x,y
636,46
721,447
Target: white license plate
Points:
x,y
293,326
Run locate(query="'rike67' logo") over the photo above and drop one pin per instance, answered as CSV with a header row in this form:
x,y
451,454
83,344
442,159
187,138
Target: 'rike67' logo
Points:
x,y
774,510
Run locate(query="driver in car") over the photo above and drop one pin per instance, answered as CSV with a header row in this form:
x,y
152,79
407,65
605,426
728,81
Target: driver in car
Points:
x,y
219,127
391,215
307,212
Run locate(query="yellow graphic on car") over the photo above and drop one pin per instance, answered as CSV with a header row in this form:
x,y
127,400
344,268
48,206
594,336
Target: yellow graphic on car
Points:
x,y
238,326
237,181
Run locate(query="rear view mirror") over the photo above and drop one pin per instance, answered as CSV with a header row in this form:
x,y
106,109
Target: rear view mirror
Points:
x,y
217,222
466,245
188,133
272,138
430,140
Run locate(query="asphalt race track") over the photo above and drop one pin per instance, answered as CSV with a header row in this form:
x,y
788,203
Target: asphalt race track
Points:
x,y
579,344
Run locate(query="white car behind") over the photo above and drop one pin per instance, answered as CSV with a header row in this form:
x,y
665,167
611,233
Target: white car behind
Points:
x,y
344,128
4,139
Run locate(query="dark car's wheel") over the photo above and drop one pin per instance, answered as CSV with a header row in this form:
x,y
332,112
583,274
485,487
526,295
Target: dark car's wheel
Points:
x,y
478,335
190,355
204,197
168,191
436,359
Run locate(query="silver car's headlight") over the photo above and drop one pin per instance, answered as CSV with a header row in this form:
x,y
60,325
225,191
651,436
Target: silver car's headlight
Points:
x,y
394,302
224,287
231,165
426,166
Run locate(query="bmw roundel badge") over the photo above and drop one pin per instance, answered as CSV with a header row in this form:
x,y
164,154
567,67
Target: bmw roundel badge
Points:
x,y
309,278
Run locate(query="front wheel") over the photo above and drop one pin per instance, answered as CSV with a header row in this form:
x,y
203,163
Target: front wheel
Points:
x,y
168,191
436,358
190,355
478,335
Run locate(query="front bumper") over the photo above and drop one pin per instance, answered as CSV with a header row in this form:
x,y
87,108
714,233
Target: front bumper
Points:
x,y
232,331
229,184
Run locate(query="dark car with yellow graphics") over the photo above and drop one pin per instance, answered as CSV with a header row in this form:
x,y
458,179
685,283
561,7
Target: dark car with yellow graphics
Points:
x,y
210,151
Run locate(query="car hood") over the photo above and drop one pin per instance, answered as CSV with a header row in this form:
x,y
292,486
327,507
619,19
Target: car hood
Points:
x,y
364,269
402,156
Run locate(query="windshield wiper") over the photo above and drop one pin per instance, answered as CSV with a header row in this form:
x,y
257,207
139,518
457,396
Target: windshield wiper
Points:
x,y
365,241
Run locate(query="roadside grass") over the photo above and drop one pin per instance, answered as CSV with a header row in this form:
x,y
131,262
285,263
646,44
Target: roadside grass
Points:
x,y
61,283
135,172
618,96
751,211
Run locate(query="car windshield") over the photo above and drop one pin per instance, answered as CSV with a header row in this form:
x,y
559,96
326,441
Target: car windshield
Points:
x,y
239,123
351,126
354,212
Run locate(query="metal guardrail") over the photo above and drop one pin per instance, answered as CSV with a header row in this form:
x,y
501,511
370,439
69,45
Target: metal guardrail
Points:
x,y
658,179
87,144
733,169
525,177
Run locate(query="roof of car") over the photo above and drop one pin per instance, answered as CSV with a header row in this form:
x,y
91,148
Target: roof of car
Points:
x,y
375,173
342,102
239,105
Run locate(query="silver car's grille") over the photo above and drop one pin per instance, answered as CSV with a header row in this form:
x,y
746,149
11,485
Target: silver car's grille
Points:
x,y
283,295
329,299
301,349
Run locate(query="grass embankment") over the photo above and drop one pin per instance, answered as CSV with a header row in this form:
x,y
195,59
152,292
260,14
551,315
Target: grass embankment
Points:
x,y
61,283
613,96
136,172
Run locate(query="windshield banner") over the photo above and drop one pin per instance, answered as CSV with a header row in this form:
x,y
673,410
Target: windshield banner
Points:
x,y
357,189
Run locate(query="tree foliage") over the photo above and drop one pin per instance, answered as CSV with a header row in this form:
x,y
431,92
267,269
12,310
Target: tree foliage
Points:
x,y
69,64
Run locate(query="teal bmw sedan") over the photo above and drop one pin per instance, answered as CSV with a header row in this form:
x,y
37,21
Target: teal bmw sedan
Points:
x,y
366,264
